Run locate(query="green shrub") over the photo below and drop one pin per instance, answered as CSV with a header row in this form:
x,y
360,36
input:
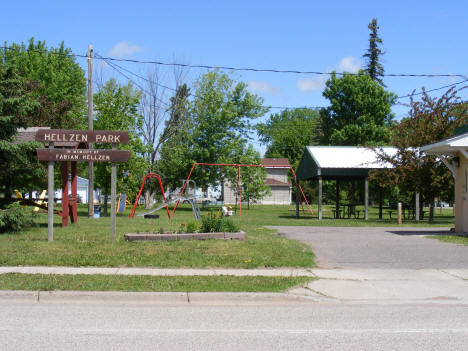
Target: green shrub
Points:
x,y
192,227
230,226
14,217
212,223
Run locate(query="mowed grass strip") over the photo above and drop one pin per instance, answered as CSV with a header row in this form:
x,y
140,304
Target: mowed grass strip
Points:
x,y
142,283
455,239
87,243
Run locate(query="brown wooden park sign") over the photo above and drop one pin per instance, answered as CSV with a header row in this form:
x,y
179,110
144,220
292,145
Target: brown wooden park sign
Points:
x,y
83,155
69,142
82,136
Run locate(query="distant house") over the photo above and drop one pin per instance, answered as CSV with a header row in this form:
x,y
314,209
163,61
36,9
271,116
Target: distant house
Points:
x,y
277,170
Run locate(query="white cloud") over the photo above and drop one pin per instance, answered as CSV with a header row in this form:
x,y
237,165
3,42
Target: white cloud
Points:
x,y
124,50
308,85
262,87
349,64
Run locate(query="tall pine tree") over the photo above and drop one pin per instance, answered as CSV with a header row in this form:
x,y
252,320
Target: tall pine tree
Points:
x,y
374,68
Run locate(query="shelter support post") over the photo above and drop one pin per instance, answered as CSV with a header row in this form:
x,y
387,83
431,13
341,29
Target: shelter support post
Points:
x,y
366,199
337,203
319,198
416,207
380,201
64,171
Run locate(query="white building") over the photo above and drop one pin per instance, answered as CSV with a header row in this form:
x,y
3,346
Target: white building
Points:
x,y
453,152
82,190
277,170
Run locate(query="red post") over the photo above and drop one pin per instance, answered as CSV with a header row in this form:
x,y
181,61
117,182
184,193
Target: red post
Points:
x,y
183,189
74,190
150,175
132,213
302,192
164,196
239,190
64,170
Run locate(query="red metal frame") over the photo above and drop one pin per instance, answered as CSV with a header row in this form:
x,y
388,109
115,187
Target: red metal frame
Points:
x,y
238,180
69,205
147,176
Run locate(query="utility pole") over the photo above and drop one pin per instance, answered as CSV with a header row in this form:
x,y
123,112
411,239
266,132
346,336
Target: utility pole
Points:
x,y
90,127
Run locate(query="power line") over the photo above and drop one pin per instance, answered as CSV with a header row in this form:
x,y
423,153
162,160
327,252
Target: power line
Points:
x,y
250,69
119,69
435,89
113,66
293,108
138,76
270,70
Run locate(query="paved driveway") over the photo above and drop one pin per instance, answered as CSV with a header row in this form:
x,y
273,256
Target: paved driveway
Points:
x,y
364,247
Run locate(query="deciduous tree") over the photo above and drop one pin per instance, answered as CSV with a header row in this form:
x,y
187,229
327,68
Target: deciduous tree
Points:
x,y
429,120
252,178
288,132
117,109
359,112
58,81
221,112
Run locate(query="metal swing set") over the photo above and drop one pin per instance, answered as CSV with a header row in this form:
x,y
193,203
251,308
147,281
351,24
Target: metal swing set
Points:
x,y
239,192
166,203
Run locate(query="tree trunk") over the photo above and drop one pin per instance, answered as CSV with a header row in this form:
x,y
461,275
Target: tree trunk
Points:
x,y
149,198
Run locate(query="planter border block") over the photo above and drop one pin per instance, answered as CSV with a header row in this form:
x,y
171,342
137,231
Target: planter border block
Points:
x,y
189,236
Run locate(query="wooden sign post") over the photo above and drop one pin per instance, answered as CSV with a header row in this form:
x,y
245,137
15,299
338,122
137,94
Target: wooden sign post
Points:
x,y
74,138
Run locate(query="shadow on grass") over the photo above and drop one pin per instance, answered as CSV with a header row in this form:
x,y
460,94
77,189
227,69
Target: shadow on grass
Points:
x,y
45,225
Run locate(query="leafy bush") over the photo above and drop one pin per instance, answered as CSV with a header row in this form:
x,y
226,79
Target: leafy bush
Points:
x,y
14,217
193,227
211,223
230,226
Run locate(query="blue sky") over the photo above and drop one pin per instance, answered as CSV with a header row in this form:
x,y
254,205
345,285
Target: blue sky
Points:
x,y
419,37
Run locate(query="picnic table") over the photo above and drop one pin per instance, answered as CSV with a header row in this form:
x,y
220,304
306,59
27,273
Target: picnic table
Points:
x,y
347,210
408,212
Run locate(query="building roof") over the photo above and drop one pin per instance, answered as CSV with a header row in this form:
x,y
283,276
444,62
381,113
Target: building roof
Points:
x,y
26,134
29,134
448,146
278,162
271,181
340,161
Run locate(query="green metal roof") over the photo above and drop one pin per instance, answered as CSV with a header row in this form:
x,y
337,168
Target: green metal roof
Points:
x,y
334,162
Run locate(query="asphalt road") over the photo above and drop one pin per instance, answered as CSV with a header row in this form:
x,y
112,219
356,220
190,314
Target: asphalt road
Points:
x,y
371,247
39,326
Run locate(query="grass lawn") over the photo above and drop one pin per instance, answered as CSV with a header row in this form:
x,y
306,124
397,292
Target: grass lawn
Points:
x,y
87,243
461,240
35,282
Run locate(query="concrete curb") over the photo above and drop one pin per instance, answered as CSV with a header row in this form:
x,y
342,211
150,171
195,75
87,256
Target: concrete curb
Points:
x,y
280,272
153,298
